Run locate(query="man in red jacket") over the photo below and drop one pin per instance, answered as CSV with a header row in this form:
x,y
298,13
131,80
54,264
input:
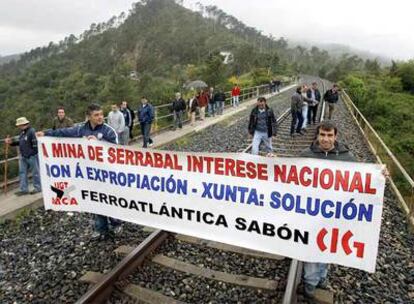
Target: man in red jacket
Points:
x,y
235,93
203,103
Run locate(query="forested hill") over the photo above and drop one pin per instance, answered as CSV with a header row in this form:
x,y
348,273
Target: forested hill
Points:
x,y
150,51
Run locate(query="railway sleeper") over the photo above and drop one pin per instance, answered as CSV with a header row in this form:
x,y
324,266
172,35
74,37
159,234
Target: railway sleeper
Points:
x,y
135,292
124,250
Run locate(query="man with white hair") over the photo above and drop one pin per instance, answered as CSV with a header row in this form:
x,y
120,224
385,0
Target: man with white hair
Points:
x,y
28,159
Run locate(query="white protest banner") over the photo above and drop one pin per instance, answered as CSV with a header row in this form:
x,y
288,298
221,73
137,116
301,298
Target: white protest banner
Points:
x,y
307,209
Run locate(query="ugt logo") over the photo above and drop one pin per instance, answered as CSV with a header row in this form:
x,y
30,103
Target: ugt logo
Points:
x,y
343,240
62,192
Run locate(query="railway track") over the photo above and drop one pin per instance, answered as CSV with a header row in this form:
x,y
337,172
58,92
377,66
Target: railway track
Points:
x,y
118,280
45,253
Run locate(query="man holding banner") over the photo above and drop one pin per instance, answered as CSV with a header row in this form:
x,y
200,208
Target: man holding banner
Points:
x,y
310,208
94,129
325,146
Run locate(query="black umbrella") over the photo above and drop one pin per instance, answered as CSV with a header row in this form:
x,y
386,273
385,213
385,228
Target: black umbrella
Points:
x,y
196,84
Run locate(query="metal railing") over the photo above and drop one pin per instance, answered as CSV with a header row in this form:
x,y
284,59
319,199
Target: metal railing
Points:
x,y
164,120
401,182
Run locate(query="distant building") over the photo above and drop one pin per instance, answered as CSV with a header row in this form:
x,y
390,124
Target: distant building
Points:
x,y
228,57
133,75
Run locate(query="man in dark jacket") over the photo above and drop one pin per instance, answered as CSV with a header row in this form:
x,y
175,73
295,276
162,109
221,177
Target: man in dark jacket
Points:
x,y
296,111
219,100
28,159
94,128
315,96
325,146
61,121
146,117
129,119
278,84
262,126
178,107
211,103
331,96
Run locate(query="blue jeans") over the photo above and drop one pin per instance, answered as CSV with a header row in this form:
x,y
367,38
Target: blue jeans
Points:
x,y
26,164
297,121
235,101
123,137
145,130
178,117
101,223
305,109
258,137
313,273
220,107
212,109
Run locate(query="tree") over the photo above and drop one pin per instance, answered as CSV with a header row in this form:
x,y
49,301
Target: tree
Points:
x,y
214,71
406,72
372,66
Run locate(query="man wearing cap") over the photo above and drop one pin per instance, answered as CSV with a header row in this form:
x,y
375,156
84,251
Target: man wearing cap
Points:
x,y
28,160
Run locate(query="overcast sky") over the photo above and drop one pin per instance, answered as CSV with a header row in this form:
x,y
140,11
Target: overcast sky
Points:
x,y
382,27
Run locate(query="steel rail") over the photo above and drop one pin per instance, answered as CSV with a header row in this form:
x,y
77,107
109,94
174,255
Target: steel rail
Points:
x,y
101,291
375,143
296,266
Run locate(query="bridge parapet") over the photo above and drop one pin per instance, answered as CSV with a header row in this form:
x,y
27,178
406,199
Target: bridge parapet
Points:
x,y
401,182
163,121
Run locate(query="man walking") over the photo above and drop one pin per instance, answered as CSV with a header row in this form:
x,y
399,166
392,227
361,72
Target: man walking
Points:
x,y
220,99
129,120
146,117
262,126
61,121
296,112
28,160
211,103
203,103
331,96
178,107
192,106
235,94
116,120
94,128
278,83
325,146
315,96
305,107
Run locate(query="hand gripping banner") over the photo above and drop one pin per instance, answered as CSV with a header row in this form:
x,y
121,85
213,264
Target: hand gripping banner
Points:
x,y
307,209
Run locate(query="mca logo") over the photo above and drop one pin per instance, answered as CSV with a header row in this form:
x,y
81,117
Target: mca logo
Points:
x,y
62,192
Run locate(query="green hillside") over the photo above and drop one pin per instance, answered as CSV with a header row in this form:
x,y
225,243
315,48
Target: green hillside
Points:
x,y
160,43
385,97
